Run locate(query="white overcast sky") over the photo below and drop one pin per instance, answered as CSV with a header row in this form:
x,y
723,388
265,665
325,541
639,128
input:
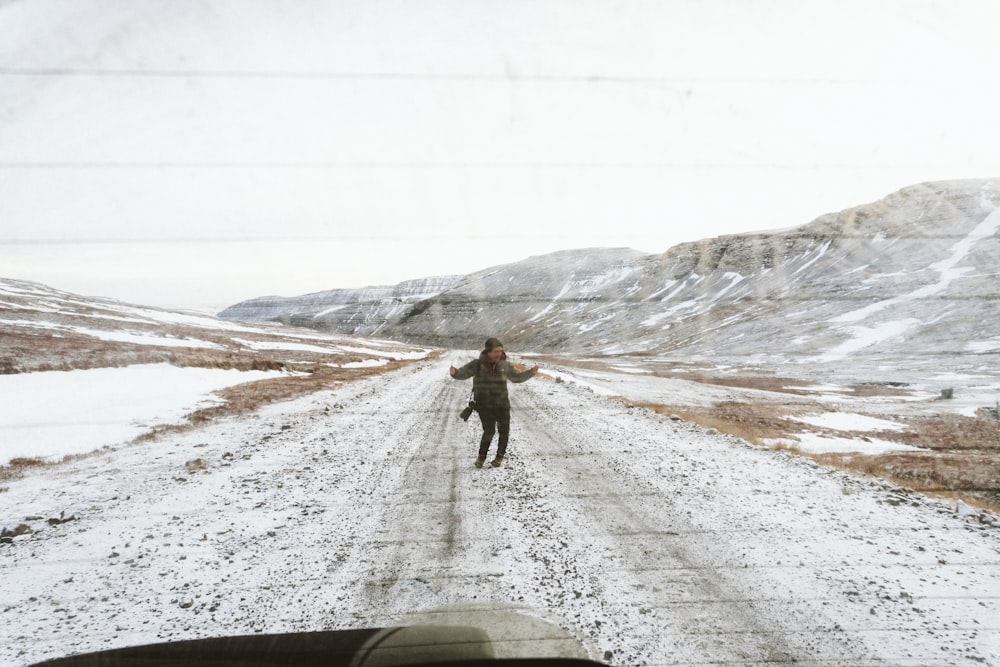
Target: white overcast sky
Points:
x,y
195,153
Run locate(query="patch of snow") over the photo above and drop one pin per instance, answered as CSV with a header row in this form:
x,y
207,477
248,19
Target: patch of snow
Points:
x,y
283,345
848,421
947,268
29,323
863,337
632,369
541,313
134,337
666,286
6,287
821,444
981,346
144,338
819,252
655,319
327,311
38,308
367,363
568,377
55,413
734,280
198,321
394,354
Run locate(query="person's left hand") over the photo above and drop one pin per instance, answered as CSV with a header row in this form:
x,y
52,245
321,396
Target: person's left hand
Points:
x,y
534,369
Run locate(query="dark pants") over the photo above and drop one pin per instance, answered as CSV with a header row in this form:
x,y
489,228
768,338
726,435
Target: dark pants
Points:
x,y
494,419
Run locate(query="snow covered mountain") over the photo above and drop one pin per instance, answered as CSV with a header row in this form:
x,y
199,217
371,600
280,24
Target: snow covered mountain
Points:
x,y
352,311
914,273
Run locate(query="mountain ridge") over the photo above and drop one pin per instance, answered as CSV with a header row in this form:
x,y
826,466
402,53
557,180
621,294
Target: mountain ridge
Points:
x,y
902,274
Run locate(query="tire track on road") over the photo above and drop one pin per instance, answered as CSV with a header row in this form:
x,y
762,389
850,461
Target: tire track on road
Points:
x,y
417,517
624,525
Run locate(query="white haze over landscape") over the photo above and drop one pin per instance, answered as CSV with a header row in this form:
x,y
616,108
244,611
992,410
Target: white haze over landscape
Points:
x,y
198,154
668,497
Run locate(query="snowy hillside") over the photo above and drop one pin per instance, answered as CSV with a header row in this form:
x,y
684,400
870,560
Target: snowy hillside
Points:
x,y
81,373
913,274
350,311
43,328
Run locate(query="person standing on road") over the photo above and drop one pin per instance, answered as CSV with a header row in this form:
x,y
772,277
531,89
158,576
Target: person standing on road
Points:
x,y
490,373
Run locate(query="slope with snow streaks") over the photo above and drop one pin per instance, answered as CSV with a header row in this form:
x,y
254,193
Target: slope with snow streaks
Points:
x,y
913,274
43,328
349,311
519,300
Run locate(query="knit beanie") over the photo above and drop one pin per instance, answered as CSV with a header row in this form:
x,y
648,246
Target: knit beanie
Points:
x,y
492,343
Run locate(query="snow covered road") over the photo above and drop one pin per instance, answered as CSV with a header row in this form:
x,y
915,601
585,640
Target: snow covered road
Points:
x,y
651,541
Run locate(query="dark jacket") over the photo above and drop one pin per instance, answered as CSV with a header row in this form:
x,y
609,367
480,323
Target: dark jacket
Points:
x,y
489,381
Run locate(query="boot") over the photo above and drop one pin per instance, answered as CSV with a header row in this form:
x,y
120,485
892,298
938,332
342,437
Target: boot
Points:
x,y
480,461
497,462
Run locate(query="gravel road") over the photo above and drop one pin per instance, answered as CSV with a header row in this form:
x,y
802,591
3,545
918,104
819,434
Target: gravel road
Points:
x,y
650,541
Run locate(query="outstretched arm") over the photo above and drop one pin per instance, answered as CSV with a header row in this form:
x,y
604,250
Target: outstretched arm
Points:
x,y
465,372
523,376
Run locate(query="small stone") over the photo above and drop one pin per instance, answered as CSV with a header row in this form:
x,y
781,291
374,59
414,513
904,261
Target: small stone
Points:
x,y
62,518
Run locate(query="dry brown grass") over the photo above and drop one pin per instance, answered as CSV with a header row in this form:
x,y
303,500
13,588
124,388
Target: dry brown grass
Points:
x,y
16,468
25,353
780,385
44,351
29,349
949,432
753,423
677,370
973,477
962,461
877,389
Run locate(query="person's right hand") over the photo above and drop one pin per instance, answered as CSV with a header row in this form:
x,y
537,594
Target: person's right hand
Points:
x,y
451,371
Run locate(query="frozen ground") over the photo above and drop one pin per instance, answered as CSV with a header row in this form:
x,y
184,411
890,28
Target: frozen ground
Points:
x,y
55,413
650,540
835,415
